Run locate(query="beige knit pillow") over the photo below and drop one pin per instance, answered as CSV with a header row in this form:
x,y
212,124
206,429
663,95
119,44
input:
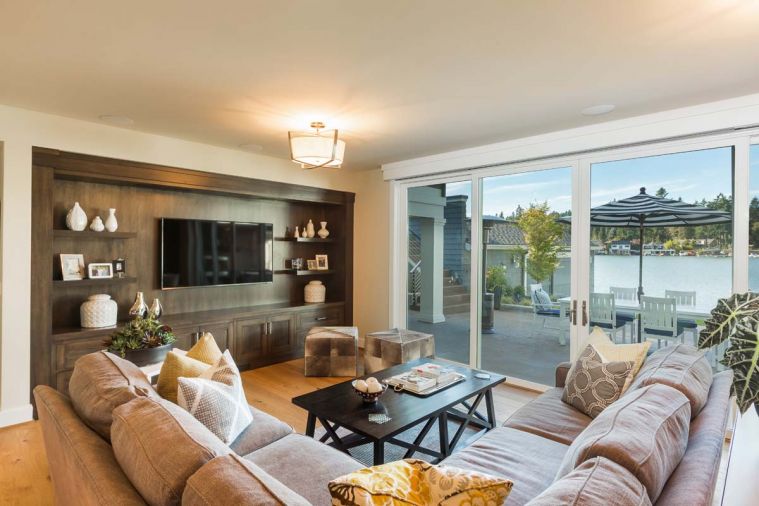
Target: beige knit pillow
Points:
x,y
217,400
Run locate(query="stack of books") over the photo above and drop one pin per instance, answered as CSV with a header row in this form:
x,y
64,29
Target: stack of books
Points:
x,y
424,378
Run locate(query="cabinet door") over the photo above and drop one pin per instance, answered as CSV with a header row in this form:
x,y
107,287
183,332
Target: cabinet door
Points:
x,y
221,333
186,337
281,341
249,342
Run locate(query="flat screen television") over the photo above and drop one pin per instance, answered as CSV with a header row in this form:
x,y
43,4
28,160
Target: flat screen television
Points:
x,y
211,253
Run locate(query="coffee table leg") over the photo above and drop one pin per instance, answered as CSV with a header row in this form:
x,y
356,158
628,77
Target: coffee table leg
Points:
x,y
379,453
490,407
443,426
311,425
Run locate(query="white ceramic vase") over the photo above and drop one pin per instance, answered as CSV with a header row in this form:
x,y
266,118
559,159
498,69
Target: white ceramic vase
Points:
x,y
76,219
98,311
97,225
310,232
315,291
111,224
323,232
297,233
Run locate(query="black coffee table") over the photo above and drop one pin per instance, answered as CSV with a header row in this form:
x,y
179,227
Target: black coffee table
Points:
x,y
339,406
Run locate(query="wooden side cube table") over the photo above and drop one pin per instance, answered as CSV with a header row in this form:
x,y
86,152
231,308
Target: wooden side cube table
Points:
x,y
396,346
331,351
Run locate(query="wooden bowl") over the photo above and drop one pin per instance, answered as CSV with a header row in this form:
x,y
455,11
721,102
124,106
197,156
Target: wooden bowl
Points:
x,y
369,398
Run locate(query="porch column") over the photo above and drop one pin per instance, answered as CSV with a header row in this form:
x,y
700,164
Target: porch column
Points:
x,y
431,306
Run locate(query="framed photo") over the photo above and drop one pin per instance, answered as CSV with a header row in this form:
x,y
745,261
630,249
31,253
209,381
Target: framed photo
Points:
x,y
100,270
311,265
72,266
322,264
119,267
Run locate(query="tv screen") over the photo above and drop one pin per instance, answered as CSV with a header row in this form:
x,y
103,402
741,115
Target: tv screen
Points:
x,y
209,253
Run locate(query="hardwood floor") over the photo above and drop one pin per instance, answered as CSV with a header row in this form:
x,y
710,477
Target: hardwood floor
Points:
x,y
24,479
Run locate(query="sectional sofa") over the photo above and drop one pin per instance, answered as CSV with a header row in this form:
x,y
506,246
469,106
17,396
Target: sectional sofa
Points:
x,y
116,442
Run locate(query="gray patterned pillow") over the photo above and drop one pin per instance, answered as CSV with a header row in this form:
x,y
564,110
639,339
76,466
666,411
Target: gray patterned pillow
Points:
x,y
593,385
217,400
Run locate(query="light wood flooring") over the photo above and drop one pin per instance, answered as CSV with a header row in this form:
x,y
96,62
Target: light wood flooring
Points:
x,y
24,478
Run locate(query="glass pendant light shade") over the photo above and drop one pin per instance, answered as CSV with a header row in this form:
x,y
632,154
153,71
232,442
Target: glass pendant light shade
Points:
x,y
320,148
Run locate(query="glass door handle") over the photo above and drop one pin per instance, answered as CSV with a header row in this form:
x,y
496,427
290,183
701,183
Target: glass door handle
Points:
x,y
584,313
573,313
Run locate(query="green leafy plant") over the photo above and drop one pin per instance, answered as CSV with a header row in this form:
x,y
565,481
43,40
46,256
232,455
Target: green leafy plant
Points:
x,y
139,334
496,276
736,319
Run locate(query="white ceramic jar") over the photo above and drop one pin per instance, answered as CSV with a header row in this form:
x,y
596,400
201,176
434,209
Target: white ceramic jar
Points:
x,y
111,224
76,219
315,291
98,311
323,232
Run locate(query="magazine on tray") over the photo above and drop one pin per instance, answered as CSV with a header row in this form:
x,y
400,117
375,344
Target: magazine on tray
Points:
x,y
421,381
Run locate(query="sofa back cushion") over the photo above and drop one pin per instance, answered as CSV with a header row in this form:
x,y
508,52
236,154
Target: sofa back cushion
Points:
x,y
595,481
681,367
102,382
159,446
233,480
645,431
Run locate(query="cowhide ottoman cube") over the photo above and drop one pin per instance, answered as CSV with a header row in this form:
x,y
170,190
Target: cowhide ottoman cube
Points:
x,y
397,346
331,351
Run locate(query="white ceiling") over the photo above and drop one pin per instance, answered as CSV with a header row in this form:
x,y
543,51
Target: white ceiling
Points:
x,y
400,78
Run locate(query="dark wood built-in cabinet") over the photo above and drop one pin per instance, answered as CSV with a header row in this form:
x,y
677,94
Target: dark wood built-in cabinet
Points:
x,y
260,324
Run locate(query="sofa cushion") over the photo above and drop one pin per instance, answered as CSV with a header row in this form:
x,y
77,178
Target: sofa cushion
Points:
x,y
205,350
645,431
233,480
174,366
682,367
101,382
216,399
595,481
706,438
304,465
159,446
527,460
593,385
263,430
548,417
416,482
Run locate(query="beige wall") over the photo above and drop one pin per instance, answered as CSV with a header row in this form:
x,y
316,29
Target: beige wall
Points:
x,y
22,129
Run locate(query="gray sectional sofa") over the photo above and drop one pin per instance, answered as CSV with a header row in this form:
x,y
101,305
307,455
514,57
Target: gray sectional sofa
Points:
x,y
116,442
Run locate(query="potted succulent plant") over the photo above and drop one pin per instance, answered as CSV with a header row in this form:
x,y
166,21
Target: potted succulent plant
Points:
x,y
142,341
736,320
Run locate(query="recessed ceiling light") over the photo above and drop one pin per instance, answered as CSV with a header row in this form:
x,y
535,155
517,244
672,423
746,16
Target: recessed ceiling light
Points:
x,y
116,120
597,110
249,146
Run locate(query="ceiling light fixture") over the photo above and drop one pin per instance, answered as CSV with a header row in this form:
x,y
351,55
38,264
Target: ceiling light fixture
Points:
x,y
116,120
597,110
320,148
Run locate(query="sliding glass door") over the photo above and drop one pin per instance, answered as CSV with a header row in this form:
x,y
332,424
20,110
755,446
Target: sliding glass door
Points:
x,y
526,244
510,267
438,265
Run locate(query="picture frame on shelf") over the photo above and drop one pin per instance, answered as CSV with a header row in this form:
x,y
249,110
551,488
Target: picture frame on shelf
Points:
x,y
100,270
311,265
72,266
119,268
322,263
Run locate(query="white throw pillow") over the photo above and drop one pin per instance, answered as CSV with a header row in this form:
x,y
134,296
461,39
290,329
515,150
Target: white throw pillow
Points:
x,y
217,400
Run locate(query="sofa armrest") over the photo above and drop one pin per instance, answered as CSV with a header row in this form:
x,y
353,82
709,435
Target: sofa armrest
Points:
x,y
561,373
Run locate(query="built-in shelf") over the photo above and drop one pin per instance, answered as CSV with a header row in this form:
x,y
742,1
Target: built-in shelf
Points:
x,y
295,272
89,234
304,239
92,282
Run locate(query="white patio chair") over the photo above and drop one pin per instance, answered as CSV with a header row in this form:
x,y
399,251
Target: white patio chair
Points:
x,y
544,308
624,293
682,298
658,319
603,314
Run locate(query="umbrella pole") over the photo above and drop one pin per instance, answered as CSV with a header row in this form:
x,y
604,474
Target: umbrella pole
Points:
x,y
640,276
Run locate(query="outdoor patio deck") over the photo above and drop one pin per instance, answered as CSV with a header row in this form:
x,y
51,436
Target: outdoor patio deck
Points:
x,y
521,345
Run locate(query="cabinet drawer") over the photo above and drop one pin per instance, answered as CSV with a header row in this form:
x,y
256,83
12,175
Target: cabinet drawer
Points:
x,y
68,352
329,317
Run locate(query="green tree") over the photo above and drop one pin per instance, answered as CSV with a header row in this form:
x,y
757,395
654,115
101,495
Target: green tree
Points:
x,y
661,192
542,233
496,276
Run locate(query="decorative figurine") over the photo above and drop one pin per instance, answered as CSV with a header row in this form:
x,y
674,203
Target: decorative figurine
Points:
x,y
155,309
97,225
139,308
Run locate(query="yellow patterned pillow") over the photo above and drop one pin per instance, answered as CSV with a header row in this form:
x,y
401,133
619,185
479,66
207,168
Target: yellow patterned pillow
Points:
x,y
174,366
206,350
414,482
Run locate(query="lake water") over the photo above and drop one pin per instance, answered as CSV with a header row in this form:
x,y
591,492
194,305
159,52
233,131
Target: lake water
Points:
x,y
709,277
